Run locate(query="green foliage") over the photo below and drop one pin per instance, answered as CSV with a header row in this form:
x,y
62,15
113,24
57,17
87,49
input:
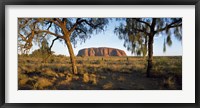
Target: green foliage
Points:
x,y
136,32
38,29
43,51
164,46
169,41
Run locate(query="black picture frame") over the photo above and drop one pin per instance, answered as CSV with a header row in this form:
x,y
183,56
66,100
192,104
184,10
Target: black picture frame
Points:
x,y
3,3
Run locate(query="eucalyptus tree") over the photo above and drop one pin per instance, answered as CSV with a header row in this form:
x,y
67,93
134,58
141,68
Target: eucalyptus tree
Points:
x,y
138,35
69,30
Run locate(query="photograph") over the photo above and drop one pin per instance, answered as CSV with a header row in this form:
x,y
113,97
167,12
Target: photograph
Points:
x,y
99,53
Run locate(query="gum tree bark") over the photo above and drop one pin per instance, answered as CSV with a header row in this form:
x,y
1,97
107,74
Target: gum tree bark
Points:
x,y
150,56
72,56
150,48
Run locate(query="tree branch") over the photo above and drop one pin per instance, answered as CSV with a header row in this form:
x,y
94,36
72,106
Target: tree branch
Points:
x,y
23,37
79,21
49,26
64,20
59,20
81,30
23,25
46,31
49,50
142,22
144,31
176,25
90,24
52,44
75,25
170,26
53,21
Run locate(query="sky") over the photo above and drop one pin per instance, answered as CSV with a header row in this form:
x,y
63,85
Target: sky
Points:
x,y
109,39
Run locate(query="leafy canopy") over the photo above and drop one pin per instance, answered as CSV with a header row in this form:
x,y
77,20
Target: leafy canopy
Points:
x,y
136,31
37,29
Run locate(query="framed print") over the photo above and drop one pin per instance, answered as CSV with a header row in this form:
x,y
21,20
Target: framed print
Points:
x,y
99,53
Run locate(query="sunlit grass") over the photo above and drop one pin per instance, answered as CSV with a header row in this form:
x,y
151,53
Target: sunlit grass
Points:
x,y
99,73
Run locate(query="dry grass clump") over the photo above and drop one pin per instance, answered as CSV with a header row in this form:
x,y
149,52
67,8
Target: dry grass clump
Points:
x,y
27,68
61,74
43,83
108,85
22,82
49,72
86,78
63,82
94,73
81,70
169,82
67,80
75,77
23,79
69,77
93,79
90,78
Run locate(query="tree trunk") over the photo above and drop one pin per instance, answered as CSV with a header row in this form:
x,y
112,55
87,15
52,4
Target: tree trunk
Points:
x,y
150,56
72,56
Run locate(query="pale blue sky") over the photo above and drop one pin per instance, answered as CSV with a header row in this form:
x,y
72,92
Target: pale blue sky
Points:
x,y
109,39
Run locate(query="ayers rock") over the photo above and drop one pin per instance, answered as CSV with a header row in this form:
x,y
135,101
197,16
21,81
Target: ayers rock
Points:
x,y
101,51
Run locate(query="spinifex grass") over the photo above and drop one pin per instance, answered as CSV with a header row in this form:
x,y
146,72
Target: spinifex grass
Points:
x,y
99,73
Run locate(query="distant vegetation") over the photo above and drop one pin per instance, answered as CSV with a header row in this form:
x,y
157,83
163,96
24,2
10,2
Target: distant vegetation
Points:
x,y
98,73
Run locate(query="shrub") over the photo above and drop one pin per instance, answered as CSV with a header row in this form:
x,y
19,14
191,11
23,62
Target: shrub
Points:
x,y
86,77
93,79
43,83
23,82
49,72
